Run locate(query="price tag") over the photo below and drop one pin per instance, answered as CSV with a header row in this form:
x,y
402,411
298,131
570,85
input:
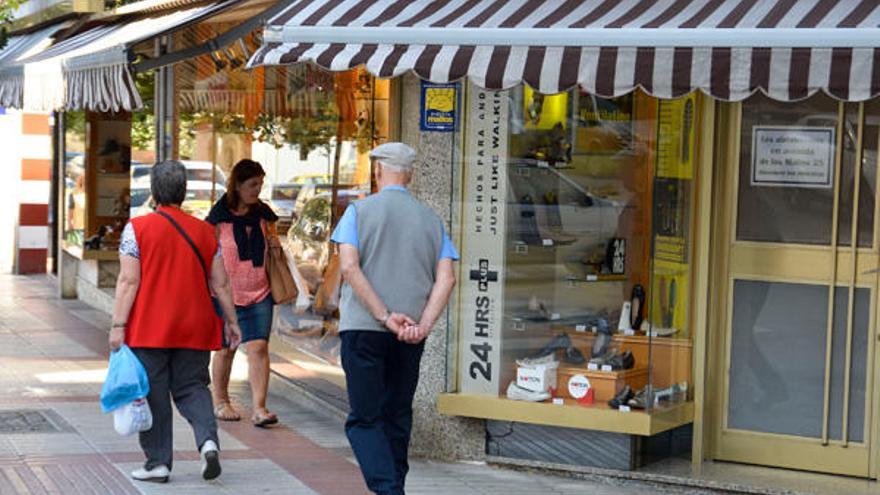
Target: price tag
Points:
x,y
580,328
522,171
571,283
629,332
592,278
558,401
548,242
594,329
543,164
607,367
521,249
555,316
519,326
593,367
624,408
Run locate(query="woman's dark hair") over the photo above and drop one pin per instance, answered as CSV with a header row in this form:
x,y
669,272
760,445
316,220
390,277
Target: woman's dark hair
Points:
x,y
242,171
168,183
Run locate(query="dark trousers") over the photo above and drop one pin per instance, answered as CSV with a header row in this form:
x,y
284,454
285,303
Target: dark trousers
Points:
x,y
381,374
181,374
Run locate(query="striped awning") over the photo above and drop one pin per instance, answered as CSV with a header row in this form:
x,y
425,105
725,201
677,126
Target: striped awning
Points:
x,y
729,49
92,70
12,71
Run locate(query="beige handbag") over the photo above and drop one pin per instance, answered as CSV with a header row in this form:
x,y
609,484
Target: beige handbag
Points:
x,y
280,280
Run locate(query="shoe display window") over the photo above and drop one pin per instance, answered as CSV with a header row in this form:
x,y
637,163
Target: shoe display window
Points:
x,y
577,216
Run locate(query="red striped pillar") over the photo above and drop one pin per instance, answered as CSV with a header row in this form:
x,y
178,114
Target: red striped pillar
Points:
x,y
33,212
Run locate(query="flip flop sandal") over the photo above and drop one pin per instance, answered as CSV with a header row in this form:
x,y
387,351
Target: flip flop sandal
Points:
x,y
225,412
262,420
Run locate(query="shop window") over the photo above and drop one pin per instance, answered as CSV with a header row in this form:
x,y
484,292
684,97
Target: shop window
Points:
x,y
576,249
312,131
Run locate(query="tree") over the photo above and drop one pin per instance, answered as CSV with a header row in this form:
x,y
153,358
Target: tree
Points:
x,y
7,11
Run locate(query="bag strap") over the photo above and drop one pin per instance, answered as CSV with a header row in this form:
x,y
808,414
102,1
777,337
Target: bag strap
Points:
x,y
191,244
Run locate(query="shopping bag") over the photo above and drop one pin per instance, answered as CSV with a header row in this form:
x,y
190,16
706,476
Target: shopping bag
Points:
x,y
327,297
133,417
280,279
126,380
303,301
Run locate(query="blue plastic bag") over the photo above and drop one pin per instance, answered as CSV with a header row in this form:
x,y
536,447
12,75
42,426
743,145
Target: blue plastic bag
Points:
x,y
126,380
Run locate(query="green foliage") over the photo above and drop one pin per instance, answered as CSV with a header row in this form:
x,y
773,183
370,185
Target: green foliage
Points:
x,y
7,11
143,122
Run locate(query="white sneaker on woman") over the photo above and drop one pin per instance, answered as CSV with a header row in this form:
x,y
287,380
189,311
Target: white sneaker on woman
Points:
x,y
158,474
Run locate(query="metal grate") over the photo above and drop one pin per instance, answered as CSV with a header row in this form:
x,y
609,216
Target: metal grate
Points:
x,y
30,421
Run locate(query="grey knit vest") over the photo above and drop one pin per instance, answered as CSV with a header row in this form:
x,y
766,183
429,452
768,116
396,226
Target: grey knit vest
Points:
x,y
400,241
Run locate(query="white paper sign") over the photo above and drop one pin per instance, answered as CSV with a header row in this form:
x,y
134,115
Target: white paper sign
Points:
x,y
789,156
483,243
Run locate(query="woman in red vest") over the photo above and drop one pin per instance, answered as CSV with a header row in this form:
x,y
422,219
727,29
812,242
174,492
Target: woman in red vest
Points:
x,y
169,264
245,227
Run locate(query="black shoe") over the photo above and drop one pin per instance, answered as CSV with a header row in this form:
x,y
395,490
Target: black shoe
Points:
x,y
642,399
574,356
561,341
621,398
623,361
637,307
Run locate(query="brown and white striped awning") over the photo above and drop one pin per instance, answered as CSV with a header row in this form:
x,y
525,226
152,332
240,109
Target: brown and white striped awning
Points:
x,y
789,49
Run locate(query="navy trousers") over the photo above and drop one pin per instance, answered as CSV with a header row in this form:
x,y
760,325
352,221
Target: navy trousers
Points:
x,y
381,374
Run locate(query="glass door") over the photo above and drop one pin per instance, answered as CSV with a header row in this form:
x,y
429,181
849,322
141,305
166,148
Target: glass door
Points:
x,y
797,294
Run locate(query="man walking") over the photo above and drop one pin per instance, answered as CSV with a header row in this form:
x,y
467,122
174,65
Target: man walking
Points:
x,y
396,261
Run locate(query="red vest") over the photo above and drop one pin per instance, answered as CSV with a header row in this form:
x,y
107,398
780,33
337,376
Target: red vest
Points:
x,y
173,306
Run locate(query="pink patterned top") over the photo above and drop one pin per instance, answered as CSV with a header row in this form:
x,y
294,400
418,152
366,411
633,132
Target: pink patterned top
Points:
x,y
250,284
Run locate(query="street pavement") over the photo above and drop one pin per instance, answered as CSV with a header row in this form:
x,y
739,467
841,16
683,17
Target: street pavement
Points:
x,y
54,439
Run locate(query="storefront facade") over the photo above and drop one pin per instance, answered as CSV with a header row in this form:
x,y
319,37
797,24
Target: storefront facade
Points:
x,y
644,210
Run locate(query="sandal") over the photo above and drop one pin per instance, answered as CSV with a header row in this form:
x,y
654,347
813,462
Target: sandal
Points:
x,y
263,418
225,412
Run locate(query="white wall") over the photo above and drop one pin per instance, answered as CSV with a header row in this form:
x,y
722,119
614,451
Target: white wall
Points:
x,y
10,180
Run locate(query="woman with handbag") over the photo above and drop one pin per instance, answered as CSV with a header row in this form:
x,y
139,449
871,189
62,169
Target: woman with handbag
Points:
x,y
245,227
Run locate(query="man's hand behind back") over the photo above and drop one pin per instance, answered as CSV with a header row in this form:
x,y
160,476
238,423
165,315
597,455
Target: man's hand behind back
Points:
x,y
397,322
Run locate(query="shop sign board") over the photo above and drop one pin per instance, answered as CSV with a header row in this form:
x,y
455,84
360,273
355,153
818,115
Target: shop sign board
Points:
x,y
676,143
439,107
792,156
483,240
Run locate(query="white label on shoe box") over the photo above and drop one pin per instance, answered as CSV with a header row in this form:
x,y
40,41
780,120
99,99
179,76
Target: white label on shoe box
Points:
x,y
558,401
548,242
539,378
629,332
593,367
580,328
607,367
624,408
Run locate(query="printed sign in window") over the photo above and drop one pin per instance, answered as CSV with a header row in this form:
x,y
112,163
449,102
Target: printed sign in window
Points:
x,y
785,156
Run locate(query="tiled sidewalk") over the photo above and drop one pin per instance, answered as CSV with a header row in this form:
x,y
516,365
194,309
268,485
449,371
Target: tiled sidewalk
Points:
x,y
53,360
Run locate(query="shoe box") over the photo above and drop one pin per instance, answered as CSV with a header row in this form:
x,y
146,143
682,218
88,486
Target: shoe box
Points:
x,y
605,384
537,378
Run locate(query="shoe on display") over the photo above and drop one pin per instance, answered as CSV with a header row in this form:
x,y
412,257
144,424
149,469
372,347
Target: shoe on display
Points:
x,y
560,342
642,399
528,222
210,460
548,360
621,361
663,332
601,343
158,474
637,306
573,355
515,392
621,398
604,358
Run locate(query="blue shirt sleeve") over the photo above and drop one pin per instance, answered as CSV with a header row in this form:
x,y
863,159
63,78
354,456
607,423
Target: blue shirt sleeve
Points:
x,y
346,230
447,250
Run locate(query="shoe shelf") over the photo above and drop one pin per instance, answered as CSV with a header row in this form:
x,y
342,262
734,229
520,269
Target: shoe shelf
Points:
x,y
605,384
671,357
569,414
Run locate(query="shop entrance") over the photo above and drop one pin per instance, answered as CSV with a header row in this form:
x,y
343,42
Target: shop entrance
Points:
x,y
795,298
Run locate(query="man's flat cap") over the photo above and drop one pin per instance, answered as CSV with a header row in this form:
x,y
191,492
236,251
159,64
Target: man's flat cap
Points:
x,y
396,155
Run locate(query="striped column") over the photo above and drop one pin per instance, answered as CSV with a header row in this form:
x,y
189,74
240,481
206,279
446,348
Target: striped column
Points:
x,y
33,210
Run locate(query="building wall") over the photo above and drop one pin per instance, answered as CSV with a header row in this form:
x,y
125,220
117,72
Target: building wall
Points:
x,y
10,172
436,436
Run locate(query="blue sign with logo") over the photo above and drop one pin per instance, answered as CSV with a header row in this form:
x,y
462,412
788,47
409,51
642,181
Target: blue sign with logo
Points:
x,y
439,107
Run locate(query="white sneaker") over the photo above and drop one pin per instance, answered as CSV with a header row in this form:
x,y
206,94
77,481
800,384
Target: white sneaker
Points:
x,y
516,392
210,460
158,474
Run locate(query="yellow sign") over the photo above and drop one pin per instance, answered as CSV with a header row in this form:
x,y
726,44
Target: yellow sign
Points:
x,y
676,137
